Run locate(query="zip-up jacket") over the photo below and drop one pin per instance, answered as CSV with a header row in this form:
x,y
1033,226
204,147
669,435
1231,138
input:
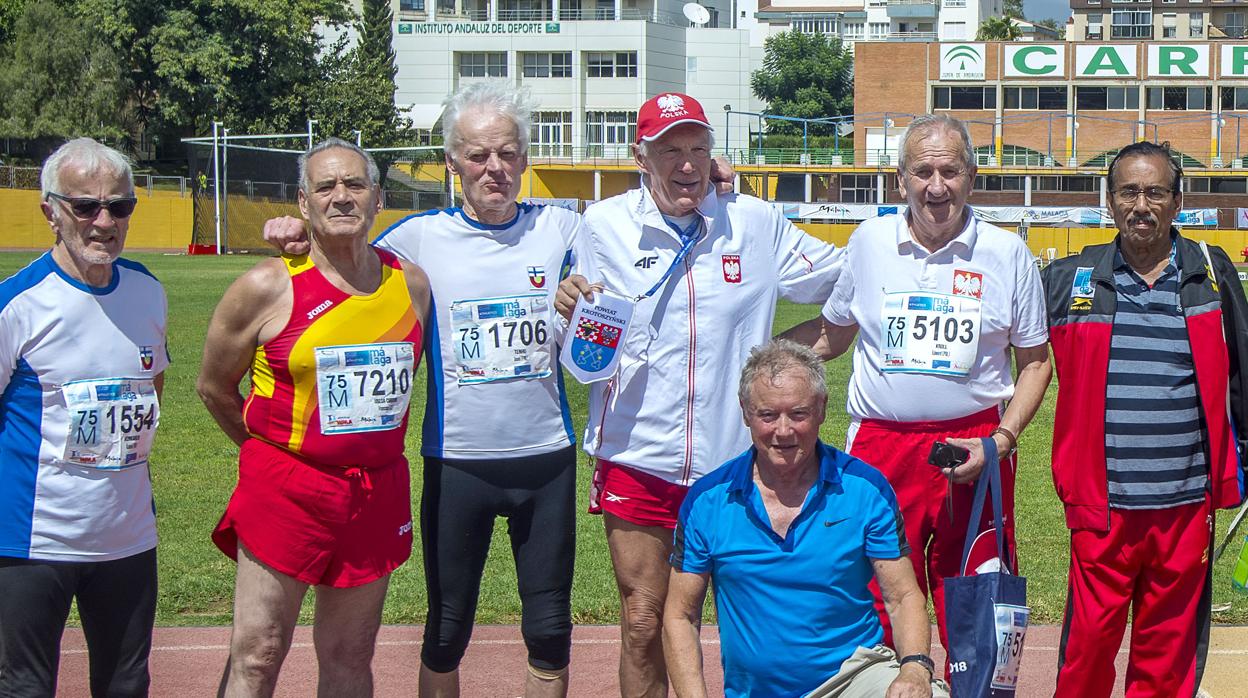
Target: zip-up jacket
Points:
x,y
1081,315
671,410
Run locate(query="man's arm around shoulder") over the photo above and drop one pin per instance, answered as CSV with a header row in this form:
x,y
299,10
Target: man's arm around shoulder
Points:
x,y
251,307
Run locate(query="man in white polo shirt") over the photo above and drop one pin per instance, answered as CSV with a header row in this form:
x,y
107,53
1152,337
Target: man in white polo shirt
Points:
x,y
938,300
705,270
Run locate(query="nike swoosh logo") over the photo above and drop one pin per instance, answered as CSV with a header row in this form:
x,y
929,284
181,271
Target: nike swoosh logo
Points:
x,y
833,523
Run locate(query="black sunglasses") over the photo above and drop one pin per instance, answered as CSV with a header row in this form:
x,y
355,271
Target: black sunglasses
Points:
x,y
87,208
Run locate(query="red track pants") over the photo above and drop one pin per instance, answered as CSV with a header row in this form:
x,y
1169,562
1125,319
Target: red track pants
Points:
x,y
1155,562
899,450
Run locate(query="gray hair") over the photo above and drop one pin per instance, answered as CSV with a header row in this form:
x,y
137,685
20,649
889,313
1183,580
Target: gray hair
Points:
x,y
923,126
779,356
644,146
493,96
374,172
91,155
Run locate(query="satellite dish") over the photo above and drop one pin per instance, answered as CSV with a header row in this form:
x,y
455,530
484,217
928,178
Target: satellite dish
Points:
x,y
696,14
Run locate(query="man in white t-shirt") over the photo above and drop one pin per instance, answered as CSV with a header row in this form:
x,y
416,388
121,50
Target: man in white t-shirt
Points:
x,y
939,300
705,270
82,360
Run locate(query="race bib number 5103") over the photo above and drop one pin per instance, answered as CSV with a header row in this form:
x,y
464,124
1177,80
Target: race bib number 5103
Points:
x,y
364,387
112,422
933,333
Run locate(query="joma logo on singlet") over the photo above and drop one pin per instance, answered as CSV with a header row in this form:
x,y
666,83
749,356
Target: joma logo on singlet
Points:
x,y
325,305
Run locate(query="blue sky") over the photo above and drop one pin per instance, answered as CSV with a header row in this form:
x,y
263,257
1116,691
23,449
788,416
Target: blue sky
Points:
x,y
1043,9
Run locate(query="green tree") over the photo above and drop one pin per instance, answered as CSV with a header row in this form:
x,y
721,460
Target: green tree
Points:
x,y
1013,8
357,88
998,29
58,79
10,10
1052,24
249,63
807,76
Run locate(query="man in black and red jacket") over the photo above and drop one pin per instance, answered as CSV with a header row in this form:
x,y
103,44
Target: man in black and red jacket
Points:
x,y
1150,338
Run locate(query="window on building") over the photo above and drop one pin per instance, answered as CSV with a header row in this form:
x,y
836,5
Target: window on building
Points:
x,y
858,189
550,133
877,3
483,65
955,30
1047,98
610,128
1196,185
1228,185
878,30
1169,25
621,64
411,5
547,65
1234,98
1196,23
1095,26
973,98
999,183
816,25
1179,98
1103,98
1233,25
1130,24
955,3
854,31
1065,183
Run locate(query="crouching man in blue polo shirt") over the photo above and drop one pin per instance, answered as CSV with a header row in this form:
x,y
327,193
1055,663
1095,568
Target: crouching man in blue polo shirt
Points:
x,y
791,532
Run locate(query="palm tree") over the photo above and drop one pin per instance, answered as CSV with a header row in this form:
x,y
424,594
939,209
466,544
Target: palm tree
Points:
x,y
998,29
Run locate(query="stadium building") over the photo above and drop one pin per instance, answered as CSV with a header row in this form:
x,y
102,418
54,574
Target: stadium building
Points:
x,y
1046,118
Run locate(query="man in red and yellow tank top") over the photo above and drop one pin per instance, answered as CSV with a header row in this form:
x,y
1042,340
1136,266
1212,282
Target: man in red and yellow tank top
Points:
x,y
331,341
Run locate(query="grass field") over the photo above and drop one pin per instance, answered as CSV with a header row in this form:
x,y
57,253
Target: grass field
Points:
x,y
194,470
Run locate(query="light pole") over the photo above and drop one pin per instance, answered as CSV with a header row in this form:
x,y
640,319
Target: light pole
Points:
x,y
727,111
311,122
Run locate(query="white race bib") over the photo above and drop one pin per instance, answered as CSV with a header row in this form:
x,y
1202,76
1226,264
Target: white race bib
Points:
x,y
364,387
112,422
1011,624
927,332
501,338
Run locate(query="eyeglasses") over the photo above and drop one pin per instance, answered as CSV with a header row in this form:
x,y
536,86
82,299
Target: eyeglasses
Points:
x,y
1155,195
86,208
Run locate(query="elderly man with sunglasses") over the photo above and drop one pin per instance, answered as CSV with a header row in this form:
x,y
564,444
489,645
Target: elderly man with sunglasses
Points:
x,y
1150,339
82,360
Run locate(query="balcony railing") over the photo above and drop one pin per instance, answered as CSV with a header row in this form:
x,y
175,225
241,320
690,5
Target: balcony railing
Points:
x,y
600,14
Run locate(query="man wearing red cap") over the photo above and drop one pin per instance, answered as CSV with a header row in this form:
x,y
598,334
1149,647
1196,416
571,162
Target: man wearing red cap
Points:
x,y
705,271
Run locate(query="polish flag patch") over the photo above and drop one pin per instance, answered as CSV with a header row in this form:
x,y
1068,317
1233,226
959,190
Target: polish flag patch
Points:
x,y
968,283
732,268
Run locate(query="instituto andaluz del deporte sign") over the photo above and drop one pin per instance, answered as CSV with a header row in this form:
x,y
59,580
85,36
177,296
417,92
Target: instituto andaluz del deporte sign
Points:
x,y
1098,61
478,28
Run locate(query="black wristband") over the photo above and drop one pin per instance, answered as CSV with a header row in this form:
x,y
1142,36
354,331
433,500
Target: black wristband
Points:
x,y
921,659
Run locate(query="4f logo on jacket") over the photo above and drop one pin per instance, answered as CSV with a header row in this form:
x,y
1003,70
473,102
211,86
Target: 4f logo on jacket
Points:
x,y
646,262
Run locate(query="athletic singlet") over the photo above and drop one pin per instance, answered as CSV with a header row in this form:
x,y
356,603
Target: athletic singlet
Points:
x,y
356,353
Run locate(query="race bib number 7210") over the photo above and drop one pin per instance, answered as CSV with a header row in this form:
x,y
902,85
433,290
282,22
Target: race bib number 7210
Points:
x,y
926,332
364,387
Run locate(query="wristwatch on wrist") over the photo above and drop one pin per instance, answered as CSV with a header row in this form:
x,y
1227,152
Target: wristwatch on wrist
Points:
x,y
922,660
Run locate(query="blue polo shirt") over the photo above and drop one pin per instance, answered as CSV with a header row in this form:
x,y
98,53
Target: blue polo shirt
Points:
x,y
791,609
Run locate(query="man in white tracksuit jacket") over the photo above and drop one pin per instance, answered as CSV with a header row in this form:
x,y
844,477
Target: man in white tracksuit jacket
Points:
x,y
708,269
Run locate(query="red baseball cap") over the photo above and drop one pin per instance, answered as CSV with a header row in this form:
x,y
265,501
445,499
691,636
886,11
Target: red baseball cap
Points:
x,y
666,110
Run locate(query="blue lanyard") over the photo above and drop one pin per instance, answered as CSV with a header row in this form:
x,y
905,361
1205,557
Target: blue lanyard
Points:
x,y
689,236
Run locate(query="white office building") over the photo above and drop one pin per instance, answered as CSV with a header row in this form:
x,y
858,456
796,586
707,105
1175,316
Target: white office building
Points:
x,y
591,63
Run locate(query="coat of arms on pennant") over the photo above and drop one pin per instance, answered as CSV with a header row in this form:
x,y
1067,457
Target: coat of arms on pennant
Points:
x,y
594,344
